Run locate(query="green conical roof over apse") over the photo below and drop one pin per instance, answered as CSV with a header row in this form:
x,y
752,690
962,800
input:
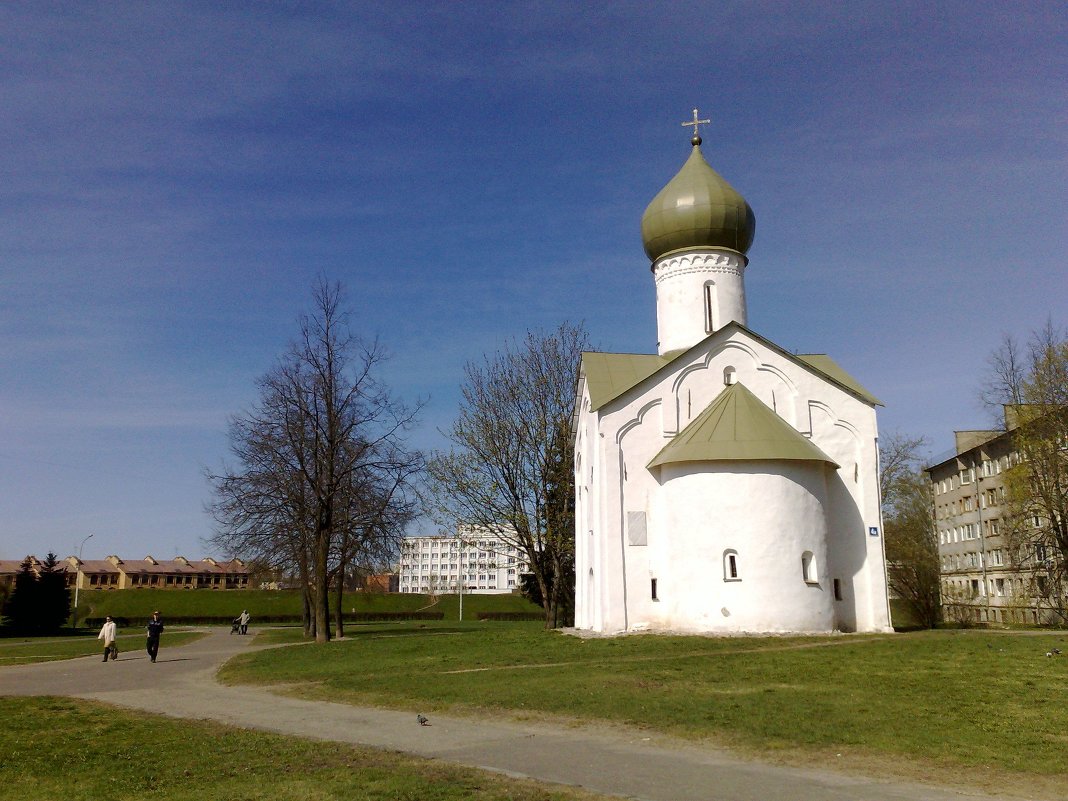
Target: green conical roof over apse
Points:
x,y
738,426
697,209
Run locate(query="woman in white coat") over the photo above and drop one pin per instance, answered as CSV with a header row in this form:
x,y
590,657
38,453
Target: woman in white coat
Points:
x,y
107,634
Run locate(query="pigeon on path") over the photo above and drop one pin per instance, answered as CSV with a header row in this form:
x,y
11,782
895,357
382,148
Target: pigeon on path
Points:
x,y
422,720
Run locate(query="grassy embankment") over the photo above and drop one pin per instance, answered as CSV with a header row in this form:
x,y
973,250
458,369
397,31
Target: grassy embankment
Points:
x,y
25,650
106,753
946,706
139,604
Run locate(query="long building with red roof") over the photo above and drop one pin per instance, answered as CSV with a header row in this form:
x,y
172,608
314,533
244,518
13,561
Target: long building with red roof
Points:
x,y
114,573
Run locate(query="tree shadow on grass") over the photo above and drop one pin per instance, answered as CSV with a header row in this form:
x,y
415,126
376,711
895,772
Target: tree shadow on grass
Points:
x,y
403,631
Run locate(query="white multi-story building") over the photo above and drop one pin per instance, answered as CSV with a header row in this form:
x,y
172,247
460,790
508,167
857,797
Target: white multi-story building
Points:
x,y
480,563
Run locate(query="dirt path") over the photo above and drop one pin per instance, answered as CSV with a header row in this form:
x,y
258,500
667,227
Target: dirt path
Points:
x,y
643,766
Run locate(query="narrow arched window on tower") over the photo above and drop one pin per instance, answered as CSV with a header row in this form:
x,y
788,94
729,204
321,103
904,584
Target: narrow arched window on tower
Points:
x,y
729,376
710,305
730,566
808,568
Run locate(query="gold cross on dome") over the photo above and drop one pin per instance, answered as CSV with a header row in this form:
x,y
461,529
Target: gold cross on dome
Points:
x,y
695,122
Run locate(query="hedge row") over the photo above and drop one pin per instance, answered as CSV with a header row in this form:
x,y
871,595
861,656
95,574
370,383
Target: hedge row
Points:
x,y
222,620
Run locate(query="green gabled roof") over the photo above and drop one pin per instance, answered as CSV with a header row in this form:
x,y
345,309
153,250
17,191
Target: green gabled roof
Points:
x,y
737,426
823,363
609,375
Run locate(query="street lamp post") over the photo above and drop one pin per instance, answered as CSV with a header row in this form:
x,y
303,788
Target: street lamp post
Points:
x,y
77,581
460,589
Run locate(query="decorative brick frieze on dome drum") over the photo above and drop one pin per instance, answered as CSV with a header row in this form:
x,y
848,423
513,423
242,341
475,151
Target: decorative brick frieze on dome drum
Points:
x,y
686,263
697,292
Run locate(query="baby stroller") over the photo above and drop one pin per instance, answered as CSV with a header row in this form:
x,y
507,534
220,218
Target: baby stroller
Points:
x,y
235,627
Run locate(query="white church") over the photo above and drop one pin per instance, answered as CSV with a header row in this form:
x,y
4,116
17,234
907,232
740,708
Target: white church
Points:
x,y
724,484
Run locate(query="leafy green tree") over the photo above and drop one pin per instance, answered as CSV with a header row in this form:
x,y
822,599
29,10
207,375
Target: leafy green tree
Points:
x,y
40,600
20,606
53,593
913,569
560,522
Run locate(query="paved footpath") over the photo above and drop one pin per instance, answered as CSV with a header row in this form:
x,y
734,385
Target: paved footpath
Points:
x,y
633,765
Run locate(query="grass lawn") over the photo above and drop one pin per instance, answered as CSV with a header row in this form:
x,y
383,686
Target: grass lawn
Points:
x,y
944,705
24,650
108,753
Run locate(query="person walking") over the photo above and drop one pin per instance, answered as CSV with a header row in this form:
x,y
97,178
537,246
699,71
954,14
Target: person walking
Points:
x,y
243,620
107,634
154,629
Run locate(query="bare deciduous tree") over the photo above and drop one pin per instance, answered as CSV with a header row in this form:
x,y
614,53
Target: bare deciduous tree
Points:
x,y
324,476
1028,387
899,459
509,472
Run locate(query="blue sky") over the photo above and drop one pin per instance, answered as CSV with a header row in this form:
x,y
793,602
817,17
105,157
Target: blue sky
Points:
x,y
174,176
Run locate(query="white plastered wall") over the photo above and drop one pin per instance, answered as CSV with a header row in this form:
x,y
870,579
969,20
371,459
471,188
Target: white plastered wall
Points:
x,y
706,511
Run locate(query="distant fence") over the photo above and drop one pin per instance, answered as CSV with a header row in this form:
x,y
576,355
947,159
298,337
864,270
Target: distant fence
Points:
x,y
511,616
261,620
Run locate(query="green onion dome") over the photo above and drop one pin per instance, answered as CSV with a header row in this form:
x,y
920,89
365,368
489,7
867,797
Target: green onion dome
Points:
x,y
697,209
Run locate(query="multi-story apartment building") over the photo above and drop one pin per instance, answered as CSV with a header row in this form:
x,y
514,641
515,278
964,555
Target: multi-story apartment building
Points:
x,y
480,563
982,580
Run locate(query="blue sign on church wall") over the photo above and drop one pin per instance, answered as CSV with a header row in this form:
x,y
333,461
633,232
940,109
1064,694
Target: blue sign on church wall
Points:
x,y
873,531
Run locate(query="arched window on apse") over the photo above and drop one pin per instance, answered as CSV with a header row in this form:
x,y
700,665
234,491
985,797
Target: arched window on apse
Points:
x,y
730,565
808,568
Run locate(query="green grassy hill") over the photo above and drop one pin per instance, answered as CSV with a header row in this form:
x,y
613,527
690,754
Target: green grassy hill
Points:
x,y
136,605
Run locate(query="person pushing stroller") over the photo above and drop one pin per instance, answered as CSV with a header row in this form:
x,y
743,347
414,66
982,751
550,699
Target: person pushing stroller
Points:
x,y
240,624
